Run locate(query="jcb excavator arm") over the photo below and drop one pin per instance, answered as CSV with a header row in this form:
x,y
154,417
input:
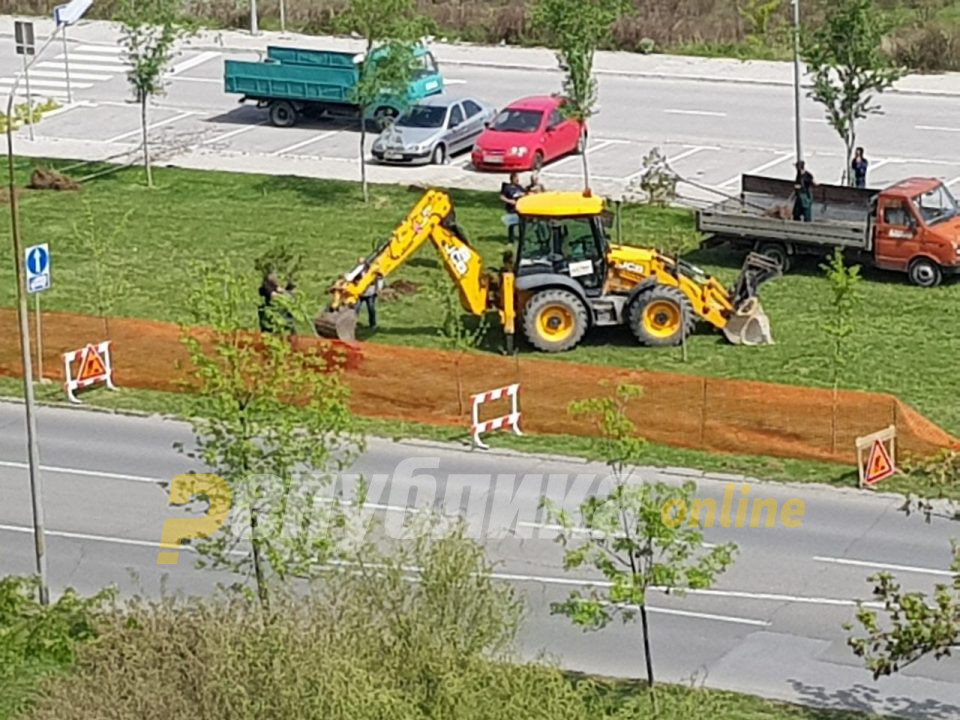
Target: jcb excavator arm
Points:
x,y
432,218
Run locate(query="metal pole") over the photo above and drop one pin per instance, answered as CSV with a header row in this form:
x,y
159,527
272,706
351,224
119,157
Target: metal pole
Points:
x,y
39,332
797,76
283,17
254,27
66,65
33,452
26,78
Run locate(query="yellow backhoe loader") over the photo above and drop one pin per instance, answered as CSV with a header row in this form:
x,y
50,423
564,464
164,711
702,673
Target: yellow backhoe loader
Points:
x,y
565,278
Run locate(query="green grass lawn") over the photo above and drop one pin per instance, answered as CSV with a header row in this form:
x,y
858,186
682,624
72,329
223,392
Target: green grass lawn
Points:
x,y
905,341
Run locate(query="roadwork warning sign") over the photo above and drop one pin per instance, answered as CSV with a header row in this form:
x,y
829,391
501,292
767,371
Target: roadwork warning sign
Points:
x,y
95,367
880,463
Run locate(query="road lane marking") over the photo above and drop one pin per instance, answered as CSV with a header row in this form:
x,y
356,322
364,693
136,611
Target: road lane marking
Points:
x,y
706,113
937,128
59,65
702,616
100,59
43,84
818,121
676,158
210,81
107,49
452,81
151,126
86,473
576,530
193,62
233,133
951,183
304,143
759,169
884,566
73,75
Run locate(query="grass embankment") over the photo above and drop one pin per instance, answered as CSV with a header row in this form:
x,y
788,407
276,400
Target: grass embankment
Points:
x,y
903,342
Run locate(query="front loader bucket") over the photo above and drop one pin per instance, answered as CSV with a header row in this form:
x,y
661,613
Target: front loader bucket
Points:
x,y
749,325
339,324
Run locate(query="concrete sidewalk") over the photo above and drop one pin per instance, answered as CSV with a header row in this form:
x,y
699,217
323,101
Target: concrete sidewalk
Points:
x,y
665,67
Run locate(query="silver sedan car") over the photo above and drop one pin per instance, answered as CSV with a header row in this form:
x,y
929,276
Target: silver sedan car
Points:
x,y
432,130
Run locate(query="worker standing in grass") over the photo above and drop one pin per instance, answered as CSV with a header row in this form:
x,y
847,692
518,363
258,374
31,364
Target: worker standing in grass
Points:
x,y
803,193
859,168
510,192
369,298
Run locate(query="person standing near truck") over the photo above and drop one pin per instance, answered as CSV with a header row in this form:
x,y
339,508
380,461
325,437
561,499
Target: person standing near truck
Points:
x,y
510,192
803,194
859,168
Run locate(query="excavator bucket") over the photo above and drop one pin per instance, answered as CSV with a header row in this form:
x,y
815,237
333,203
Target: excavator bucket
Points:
x,y
749,324
339,324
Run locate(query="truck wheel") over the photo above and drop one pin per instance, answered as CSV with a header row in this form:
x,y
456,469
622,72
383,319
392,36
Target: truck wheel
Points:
x,y
554,320
283,114
925,273
661,316
776,251
439,156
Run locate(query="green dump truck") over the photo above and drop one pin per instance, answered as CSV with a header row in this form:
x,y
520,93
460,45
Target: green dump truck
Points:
x,y
291,82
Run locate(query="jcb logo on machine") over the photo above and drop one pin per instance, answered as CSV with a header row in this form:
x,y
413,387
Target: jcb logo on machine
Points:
x,y
632,267
459,258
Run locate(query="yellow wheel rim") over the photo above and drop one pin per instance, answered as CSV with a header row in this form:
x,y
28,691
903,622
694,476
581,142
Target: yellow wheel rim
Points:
x,y
555,322
661,319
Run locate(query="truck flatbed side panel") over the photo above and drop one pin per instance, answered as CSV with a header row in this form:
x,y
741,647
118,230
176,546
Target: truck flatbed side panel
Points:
x,y
829,194
300,56
288,82
758,227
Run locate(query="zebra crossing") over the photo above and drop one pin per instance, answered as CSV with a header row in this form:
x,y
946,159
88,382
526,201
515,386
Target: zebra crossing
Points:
x,y
88,64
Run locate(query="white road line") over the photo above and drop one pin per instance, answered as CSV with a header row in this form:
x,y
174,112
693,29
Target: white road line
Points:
x,y
577,531
680,156
304,143
101,59
233,133
817,121
452,81
151,126
951,183
884,566
87,473
193,62
48,84
759,169
73,75
598,145
59,65
707,616
706,113
937,128
211,81
106,49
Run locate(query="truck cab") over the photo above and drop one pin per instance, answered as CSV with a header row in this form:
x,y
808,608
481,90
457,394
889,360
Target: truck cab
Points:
x,y
917,230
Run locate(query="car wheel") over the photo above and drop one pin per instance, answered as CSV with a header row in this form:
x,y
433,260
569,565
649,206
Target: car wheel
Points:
x,y
537,164
283,114
439,156
925,273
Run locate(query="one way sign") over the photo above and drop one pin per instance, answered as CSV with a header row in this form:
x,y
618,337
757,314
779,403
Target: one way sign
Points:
x,y
37,263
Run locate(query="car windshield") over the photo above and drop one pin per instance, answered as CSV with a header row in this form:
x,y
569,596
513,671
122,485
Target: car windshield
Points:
x,y
524,121
936,205
423,116
425,65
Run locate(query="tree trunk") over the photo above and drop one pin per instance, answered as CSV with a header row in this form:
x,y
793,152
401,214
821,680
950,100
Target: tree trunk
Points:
x,y
363,157
646,644
583,157
143,130
850,143
262,592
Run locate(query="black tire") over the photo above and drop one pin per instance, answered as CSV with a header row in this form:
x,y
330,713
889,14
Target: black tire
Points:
x,y
439,156
661,316
537,163
925,273
778,252
283,114
554,320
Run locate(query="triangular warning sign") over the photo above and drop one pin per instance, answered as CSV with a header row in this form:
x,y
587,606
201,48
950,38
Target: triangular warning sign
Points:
x,y
92,365
879,465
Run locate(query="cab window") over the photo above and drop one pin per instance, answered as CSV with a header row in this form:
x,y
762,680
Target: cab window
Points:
x,y
896,214
571,239
456,116
555,119
935,205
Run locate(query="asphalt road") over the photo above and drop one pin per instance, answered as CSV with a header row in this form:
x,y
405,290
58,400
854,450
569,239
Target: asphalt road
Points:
x,y
771,626
711,131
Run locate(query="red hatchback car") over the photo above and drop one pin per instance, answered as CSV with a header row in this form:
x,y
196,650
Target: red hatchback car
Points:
x,y
525,135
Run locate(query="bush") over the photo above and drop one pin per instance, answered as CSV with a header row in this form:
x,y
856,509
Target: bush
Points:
x,y
930,48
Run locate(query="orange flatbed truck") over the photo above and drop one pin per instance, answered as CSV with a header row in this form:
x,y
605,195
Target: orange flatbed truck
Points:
x,y
912,226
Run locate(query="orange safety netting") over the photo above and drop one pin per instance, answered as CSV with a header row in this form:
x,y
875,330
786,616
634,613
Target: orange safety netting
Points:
x,y
435,386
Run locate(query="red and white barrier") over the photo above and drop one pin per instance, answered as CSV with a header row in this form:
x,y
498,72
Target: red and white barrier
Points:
x,y
95,366
512,419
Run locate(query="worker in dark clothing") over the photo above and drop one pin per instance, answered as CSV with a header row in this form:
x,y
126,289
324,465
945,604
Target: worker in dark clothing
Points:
x,y
510,192
859,168
269,313
803,194
369,298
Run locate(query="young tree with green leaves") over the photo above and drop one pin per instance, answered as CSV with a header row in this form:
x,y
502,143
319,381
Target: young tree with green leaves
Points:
x,y
576,28
623,534
389,29
848,66
272,421
846,296
102,247
149,33
912,625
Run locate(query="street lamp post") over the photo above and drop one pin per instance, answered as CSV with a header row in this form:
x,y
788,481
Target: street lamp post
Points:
x,y
796,77
33,453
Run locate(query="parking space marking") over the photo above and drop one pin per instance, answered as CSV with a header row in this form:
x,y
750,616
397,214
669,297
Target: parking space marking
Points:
x,y
707,113
50,84
304,143
937,128
193,62
151,126
818,121
59,65
598,145
178,78
759,169
676,158
951,183
107,60
452,81
107,49
73,75
878,164
233,133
